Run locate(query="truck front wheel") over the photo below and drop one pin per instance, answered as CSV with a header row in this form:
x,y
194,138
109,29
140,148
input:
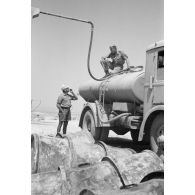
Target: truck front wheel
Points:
x,y
88,123
157,129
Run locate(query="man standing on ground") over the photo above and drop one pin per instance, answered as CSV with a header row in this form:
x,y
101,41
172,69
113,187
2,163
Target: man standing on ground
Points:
x,y
114,61
64,104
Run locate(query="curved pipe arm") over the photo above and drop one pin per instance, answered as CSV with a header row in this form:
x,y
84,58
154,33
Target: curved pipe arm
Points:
x,y
36,13
90,43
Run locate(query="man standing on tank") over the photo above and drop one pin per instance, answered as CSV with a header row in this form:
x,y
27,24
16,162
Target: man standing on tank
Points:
x,y
114,61
64,105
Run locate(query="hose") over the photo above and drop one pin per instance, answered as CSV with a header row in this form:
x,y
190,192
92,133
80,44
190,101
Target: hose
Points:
x,y
113,119
90,43
89,55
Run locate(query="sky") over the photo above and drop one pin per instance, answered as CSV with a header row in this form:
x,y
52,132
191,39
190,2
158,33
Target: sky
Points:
x,y
59,47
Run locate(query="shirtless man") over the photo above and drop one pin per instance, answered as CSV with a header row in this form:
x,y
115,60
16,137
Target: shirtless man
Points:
x,y
114,61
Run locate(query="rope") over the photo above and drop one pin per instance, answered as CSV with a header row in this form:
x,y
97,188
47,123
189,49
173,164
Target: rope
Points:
x,y
35,106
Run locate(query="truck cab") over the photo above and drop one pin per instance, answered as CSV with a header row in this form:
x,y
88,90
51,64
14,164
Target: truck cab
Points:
x,y
152,125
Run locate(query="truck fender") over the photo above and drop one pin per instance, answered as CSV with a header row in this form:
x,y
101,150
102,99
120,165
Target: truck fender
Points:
x,y
92,107
155,110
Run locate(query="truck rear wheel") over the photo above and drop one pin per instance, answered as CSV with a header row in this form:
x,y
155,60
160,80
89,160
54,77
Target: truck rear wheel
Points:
x,y
157,129
88,123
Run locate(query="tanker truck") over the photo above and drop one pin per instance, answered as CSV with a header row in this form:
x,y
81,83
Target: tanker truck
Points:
x,y
129,101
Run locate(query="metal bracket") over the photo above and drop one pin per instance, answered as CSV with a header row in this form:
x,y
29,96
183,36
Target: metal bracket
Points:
x,y
151,82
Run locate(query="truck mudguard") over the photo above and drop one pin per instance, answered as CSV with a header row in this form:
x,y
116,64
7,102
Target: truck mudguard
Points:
x,y
147,116
92,107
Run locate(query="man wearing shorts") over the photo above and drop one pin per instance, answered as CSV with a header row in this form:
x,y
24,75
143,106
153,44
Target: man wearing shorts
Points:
x,y
64,105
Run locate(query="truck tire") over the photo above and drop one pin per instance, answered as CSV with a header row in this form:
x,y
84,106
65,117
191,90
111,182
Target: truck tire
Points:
x,y
88,123
157,129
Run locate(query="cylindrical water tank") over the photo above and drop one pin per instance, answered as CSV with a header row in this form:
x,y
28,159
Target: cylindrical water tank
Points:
x,y
126,87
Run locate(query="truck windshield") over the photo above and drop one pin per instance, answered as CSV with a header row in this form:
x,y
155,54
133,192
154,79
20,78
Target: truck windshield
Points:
x,y
161,59
160,65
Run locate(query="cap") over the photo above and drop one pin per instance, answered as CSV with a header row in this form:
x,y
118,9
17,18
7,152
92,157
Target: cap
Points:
x,y
64,87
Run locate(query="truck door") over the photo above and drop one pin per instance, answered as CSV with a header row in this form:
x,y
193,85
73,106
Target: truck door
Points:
x,y
154,79
158,84
149,78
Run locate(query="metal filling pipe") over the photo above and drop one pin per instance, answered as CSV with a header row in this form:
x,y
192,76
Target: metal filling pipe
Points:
x,y
90,43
